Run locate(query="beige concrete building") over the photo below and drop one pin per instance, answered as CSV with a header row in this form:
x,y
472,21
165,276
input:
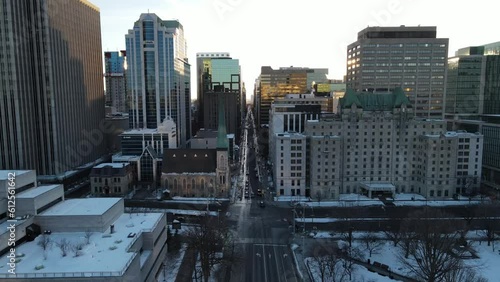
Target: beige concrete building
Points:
x,y
410,57
102,243
289,164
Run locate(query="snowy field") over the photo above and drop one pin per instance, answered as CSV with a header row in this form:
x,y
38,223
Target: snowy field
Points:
x,y
487,265
355,200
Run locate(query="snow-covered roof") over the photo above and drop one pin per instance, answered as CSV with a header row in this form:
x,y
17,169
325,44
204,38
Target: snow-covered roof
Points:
x,y
113,165
106,255
141,131
124,158
94,206
4,174
35,192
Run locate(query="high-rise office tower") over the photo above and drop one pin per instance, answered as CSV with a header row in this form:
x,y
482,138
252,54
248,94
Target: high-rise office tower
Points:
x,y
158,75
52,92
219,74
473,81
273,84
115,67
473,103
384,58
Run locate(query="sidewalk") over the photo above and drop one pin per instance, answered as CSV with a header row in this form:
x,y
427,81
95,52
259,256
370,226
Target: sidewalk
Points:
x,y
185,273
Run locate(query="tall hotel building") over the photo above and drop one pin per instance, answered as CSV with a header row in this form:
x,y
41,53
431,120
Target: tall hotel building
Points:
x,y
52,92
375,146
158,75
412,58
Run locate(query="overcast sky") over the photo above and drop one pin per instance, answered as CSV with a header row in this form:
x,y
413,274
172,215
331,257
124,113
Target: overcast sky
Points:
x,y
312,33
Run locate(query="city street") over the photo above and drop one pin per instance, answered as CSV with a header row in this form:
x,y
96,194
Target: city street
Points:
x,y
262,235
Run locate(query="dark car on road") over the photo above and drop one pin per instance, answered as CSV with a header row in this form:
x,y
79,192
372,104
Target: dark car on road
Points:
x,y
262,204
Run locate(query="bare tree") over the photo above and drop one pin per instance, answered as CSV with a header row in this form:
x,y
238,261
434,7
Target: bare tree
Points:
x,y
334,267
63,245
349,255
490,224
319,196
325,257
211,238
322,264
431,252
463,274
373,244
88,234
76,249
394,235
45,242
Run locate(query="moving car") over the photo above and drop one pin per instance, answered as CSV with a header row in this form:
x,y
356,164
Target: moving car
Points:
x,y
262,204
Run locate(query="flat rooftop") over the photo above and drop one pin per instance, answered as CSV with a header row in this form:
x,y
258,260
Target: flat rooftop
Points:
x,y
106,255
143,131
87,206
4,174
35,192
113,165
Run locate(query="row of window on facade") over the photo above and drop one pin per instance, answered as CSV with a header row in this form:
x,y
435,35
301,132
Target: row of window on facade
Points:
x,y
114,180
114,189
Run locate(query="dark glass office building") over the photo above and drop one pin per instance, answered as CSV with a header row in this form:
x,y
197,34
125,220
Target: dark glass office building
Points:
x,y
218,73
51,87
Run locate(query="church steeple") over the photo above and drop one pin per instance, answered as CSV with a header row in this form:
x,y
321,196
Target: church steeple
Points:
x,y
221,129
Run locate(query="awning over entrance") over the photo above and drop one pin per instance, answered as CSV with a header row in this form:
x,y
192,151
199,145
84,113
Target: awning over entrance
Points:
x,y
378,187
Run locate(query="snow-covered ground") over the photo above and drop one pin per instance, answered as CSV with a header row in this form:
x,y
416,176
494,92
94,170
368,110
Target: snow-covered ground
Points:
x,y
346,200
387,253
360,273
419,200
354,200
291,198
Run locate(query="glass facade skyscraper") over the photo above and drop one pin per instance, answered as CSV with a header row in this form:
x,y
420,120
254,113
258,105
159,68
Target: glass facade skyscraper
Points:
x,y
158,75
218,73
473,102
51,88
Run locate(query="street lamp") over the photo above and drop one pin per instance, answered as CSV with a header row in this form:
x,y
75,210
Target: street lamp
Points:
x,y
164,272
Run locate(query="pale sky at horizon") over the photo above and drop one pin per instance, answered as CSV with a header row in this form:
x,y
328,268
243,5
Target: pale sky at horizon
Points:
x,y
282,33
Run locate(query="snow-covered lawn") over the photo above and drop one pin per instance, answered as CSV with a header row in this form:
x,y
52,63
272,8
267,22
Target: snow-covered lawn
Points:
x,y
360,273
291,198
387,253
419,200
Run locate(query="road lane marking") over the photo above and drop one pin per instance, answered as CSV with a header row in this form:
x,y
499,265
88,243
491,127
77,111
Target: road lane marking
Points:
x,y
265,271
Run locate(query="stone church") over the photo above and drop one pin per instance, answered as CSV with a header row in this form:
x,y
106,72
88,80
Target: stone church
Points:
x,y
199,172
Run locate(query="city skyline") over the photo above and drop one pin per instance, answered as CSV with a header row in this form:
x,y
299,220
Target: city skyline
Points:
x,y
326,34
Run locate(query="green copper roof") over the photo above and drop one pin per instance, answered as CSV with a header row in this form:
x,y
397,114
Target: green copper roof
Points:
x,y
221,129
350,98
375,101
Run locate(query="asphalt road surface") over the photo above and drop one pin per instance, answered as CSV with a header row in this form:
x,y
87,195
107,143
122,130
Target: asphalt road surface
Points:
x,y
262,237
